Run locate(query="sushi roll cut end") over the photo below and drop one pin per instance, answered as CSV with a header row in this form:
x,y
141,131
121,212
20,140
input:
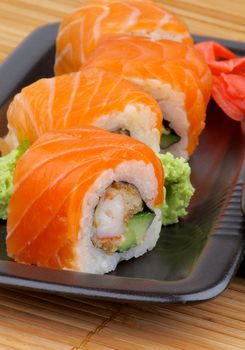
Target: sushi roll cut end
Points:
x,y
103,201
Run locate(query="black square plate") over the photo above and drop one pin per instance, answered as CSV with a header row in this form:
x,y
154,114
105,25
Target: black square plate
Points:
x,y
193,260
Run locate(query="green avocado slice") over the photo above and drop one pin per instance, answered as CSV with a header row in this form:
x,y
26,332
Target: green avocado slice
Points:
x,y
168,140
136,229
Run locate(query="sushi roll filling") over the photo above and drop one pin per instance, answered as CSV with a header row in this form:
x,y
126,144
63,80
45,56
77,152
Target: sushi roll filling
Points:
x,y
121,219
169,136
122,131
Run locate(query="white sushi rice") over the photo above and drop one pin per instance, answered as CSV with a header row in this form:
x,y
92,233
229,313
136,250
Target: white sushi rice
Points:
x,y
172,104
94,260
138,119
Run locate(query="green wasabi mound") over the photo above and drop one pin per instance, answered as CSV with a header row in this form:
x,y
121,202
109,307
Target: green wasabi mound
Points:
x,y
7,166
178,189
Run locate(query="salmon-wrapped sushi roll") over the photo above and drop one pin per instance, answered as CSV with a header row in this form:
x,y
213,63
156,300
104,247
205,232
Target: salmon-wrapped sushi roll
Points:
x,y
84,199
80,31
89,97
175,74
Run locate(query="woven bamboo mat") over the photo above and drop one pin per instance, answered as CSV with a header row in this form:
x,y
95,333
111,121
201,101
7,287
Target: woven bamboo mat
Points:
x,y
220,18
35,321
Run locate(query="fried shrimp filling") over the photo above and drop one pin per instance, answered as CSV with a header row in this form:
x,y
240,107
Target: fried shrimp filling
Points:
x,y
115,210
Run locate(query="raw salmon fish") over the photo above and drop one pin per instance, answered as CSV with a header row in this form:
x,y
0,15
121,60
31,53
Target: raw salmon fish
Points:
x,y
129,55
161,68
80,31
88,97
52,193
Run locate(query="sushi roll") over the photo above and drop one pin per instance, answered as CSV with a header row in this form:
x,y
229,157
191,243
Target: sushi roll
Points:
x,y
97,195
175,74
80,32
89,97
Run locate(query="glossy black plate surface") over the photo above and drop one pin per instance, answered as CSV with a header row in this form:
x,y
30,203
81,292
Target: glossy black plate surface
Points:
x,y
193,260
